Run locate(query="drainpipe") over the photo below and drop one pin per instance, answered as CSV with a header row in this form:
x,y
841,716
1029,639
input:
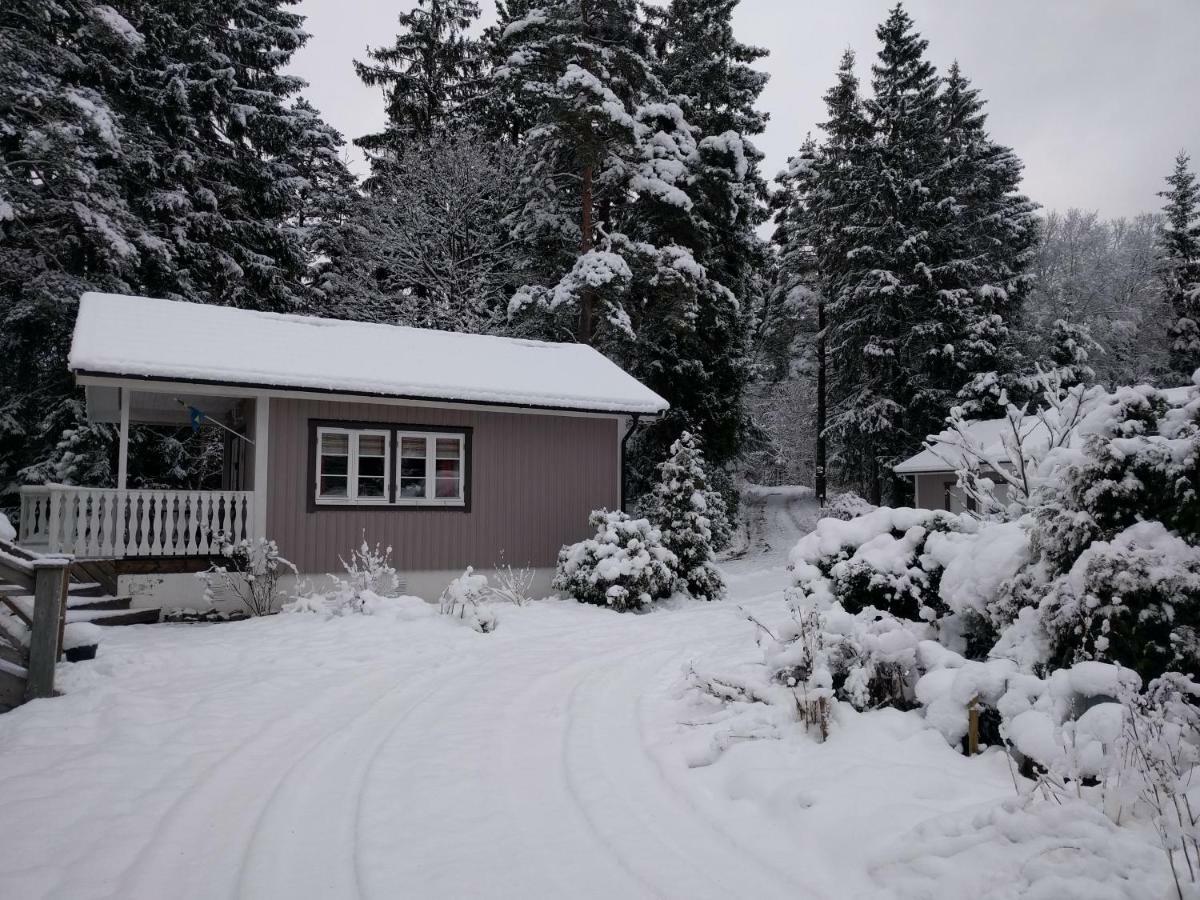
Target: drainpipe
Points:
x,y
625,440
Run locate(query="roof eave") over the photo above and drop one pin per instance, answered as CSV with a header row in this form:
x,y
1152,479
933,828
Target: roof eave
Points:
x,y
79,373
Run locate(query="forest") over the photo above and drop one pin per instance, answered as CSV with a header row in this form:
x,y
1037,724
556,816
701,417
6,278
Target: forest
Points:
x,y
580,170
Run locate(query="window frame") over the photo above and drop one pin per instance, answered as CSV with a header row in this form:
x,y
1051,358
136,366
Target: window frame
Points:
x,y
394,431
353,456
431,438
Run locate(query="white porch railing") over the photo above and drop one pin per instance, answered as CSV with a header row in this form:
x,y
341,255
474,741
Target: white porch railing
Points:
x,y
113,523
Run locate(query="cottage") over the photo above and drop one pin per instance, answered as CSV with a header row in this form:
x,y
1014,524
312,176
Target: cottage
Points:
x,y
935,469
455,449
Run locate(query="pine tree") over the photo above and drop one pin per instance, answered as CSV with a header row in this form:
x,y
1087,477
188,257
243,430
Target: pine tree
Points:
x,y
702,64
1179,262
427,76
65,226
1071,347
926,250
600,132
211,168
692,517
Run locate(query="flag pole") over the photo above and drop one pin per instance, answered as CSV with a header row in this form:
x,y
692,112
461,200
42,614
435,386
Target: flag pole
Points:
x,y
221,425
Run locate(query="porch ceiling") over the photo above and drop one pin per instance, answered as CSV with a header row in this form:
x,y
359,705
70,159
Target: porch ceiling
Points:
x,y
154,408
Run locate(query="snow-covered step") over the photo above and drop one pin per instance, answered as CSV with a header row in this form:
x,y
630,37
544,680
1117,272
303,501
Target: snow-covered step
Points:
x,y
120,614
145,616
86,589
101,601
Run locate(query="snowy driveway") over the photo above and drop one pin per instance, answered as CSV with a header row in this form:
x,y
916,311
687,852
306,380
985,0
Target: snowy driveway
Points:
x,y
409,757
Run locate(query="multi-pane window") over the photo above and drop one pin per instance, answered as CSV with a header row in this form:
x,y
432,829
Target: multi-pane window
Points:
x,y
352,466
431,468
356,466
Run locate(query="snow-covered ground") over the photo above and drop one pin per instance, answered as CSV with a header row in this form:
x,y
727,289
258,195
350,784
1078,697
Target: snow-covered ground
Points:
x,y
561,756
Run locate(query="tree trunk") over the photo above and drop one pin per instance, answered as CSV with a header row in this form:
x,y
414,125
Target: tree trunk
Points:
x,y
819,478
587,299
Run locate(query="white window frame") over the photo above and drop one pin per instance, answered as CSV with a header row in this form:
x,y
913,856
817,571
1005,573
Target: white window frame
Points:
x,y
352,498
431,438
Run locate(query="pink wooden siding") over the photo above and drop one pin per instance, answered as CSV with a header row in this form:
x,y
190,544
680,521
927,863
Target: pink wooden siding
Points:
x,y
534,479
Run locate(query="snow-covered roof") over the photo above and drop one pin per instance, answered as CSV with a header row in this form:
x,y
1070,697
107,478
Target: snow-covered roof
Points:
x,y
986,433
170,340
987,436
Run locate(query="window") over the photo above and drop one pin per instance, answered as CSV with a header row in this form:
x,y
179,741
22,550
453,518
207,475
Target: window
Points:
x,y
389,466
431,469
352,465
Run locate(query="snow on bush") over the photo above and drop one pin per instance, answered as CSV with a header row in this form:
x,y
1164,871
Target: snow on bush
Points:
x,y
692,518
877,561
369,574
7,532
1114,567
251,576
624,566
511,585
462,599
846,505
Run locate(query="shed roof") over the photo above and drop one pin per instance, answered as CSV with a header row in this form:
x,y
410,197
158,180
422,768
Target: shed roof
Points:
x,y
147,338
987,433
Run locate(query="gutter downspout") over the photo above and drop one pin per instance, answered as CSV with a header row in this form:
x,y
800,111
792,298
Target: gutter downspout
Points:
x,y
633,424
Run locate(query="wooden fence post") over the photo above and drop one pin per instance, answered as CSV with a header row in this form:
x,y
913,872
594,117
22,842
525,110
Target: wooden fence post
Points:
x,y
973,727
49,592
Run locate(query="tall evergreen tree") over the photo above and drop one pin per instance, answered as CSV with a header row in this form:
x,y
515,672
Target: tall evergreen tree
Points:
x,y
427,76
925,251
65,226
1179,263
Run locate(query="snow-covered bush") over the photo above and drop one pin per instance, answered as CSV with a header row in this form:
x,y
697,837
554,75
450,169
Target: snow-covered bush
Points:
x,y
1114,572
251,575
846,505
7,532
877,561
692,518
462,600
368,573
624,566
511,585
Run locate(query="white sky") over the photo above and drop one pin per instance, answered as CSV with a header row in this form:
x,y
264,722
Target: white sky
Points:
x,y
1096,96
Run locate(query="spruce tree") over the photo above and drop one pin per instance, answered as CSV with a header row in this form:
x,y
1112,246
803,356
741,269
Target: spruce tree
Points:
x,y
1179,265
427,76
692,517
65,226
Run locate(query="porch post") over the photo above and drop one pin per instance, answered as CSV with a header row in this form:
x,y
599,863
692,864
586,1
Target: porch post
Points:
x,y
123,445
262,424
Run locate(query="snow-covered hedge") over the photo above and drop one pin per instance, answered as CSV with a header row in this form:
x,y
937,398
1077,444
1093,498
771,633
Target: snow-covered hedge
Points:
x,y
624,566
881,561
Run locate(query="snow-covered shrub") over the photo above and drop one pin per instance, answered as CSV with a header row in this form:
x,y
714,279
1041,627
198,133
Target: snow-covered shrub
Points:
x,y
691,516
624,566
1114,572
511,585
369,573
251,575
462,600
877,561
865,659
846,505
7,532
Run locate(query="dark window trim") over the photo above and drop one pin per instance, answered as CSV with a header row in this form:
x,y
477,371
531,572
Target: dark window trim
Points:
x,y
391,506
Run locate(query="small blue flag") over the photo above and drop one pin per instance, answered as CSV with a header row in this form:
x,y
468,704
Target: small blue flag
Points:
x,y
196,416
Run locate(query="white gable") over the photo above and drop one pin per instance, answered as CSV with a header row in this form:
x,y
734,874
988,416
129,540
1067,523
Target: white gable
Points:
x,y
165,339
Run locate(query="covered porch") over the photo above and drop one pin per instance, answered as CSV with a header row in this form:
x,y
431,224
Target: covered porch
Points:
x,y
93,522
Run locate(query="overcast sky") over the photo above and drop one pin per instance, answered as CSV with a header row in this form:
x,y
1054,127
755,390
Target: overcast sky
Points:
x,y
1096,96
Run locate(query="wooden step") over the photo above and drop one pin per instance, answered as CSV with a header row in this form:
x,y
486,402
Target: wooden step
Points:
x,y
120,614
101,602
145,616
87,589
